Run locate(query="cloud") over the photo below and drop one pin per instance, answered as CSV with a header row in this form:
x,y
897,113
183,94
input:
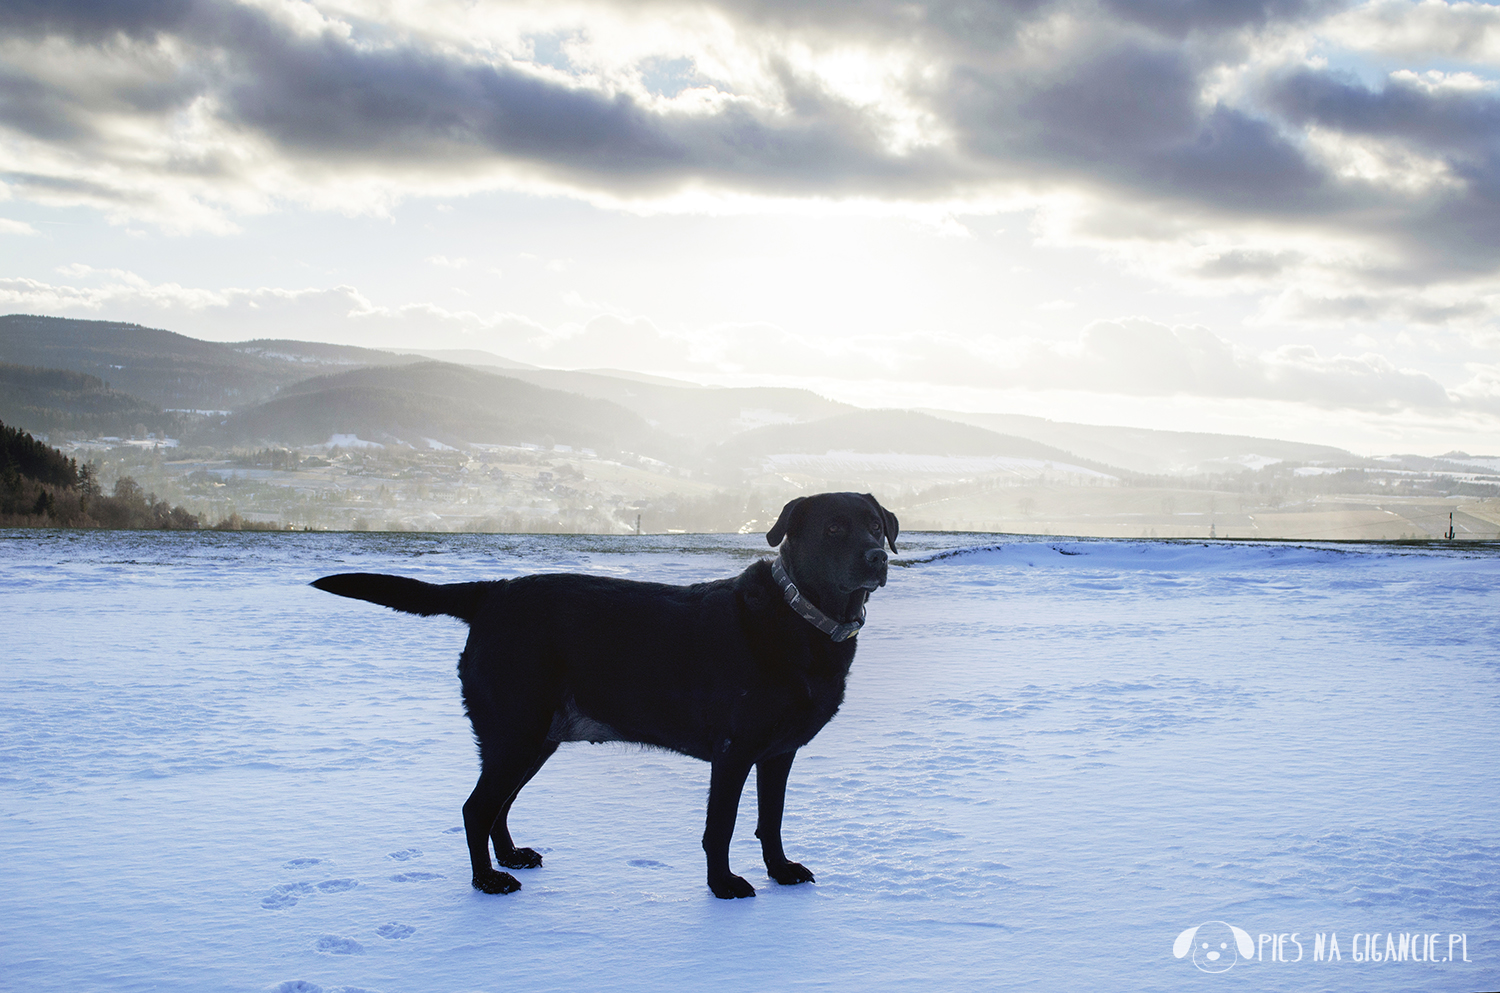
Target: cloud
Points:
x,y
1400,305
615,342
1463,31
215,94
1178,18
123,295
1144,358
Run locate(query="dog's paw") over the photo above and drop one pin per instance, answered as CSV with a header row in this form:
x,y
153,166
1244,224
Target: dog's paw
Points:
x,y
520,858
494,881
731,887
790,873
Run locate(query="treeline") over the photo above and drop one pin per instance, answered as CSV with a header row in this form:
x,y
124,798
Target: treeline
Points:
x,y
60,401
42,487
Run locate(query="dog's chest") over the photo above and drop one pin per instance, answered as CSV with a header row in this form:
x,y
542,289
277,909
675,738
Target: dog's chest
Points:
x,y
799,704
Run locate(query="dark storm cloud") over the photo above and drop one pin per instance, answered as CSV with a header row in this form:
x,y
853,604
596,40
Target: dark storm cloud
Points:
x,y
1241,163
327,97
39,110
1128,115
93,20
1457,127
1176,18
1103,95
1452,121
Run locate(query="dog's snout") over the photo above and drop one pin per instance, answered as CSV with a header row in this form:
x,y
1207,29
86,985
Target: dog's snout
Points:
x,y
876,557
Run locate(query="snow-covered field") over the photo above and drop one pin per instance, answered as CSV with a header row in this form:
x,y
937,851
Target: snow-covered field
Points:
x,y
1054,758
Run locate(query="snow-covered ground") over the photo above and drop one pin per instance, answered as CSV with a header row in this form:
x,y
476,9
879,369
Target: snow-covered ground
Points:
x,y
1054,759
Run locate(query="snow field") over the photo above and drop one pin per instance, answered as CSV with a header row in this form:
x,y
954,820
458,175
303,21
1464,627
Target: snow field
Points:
x,y
1053,758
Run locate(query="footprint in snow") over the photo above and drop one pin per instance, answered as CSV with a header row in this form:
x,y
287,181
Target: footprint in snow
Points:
x,y
647,864
337,885
395,932
332,944
415,877
406,854
297,986
285,895
302,863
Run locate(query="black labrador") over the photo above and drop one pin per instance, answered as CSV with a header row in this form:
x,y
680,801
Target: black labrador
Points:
x,y
737,672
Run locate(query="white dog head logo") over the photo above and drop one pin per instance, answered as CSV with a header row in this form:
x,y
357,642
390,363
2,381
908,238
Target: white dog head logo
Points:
x,y
1214,945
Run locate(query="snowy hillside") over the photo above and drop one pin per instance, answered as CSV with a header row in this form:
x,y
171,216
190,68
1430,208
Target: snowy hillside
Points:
x,y
1053,760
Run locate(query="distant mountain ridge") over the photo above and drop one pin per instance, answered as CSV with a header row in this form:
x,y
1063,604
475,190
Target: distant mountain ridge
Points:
x,y
451,404
172,370
1152,452
894,431
703,414
290,392
320,355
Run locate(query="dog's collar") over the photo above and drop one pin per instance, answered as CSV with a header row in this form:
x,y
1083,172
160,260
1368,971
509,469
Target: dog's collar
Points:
x,y
809,612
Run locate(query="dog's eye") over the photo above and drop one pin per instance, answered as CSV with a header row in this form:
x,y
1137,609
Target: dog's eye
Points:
x,y
835,529
875,527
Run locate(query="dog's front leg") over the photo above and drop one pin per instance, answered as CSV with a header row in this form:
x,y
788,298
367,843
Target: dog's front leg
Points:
x,y
770,786
726,782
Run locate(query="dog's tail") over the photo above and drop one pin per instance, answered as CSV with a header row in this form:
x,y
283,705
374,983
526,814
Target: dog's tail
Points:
x,y
459,600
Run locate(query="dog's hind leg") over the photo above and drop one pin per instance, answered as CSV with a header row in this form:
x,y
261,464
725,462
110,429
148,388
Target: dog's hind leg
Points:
x,y
726,782
770,789
506,761
506,852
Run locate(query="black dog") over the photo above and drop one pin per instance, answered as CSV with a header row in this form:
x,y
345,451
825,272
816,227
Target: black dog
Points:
x,y
738,672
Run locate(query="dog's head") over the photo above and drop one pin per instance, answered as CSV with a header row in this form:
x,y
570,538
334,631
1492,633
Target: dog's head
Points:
x,y
832,545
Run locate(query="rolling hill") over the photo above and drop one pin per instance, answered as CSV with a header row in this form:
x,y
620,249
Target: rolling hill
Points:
x,y
847,445
703,414
45,401
269,383
1156,452
450,404
172,370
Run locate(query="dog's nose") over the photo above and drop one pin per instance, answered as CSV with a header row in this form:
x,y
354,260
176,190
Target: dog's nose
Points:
x,y
876,556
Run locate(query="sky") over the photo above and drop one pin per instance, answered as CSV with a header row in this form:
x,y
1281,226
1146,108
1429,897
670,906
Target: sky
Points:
x,y
1268,217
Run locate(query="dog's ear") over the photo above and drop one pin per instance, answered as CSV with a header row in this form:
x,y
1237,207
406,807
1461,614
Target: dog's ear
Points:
x,y
1184,942
888,521
1243,943
784,522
